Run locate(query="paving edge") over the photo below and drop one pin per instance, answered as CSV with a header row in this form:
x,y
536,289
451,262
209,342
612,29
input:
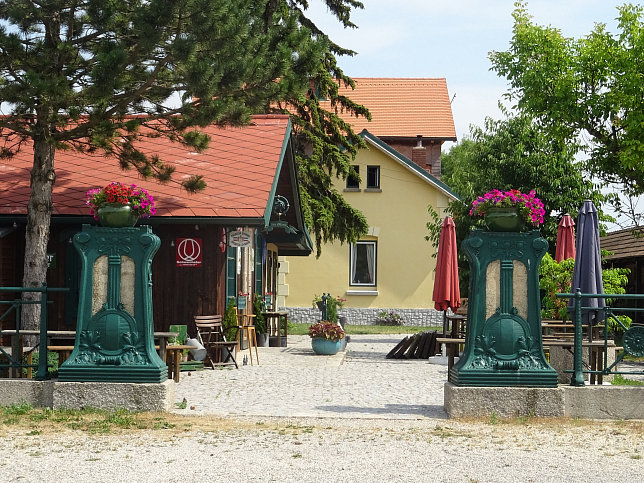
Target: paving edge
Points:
x,y
588,402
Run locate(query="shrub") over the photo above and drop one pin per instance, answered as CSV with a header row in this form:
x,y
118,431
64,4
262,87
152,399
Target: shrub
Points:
x,y
389,318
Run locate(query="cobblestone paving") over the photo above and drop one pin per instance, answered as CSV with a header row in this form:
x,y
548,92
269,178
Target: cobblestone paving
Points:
x,y
295,382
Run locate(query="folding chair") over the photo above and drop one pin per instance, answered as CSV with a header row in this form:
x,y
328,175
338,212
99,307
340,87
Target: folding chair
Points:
x,y
211,332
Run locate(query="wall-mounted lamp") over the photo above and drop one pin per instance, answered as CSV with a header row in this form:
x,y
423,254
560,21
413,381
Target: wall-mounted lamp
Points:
x,y
172,243
196,227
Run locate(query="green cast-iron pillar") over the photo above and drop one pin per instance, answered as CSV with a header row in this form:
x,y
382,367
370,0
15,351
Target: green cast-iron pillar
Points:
x,y
114,328
503,345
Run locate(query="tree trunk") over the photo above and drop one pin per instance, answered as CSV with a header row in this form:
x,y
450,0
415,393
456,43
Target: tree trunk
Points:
x,y
39,212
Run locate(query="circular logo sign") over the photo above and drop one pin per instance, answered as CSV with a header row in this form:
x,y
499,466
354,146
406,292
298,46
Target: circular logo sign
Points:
x,y
189,252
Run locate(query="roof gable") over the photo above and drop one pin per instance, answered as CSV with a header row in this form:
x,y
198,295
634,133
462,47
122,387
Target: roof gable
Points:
x,y
401,107
408,164
240,168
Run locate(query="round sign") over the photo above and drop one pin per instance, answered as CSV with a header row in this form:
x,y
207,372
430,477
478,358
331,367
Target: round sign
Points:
x,y
189,250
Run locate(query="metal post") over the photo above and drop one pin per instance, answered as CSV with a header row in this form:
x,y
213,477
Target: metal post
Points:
x,y
42,373
577,378
325,297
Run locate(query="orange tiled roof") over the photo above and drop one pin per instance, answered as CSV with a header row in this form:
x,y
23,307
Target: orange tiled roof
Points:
x,y
239,168
402,107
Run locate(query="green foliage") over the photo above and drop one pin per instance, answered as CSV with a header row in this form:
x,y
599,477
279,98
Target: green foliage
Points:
x,y
589,86
89,75
389,318
556,278
514,154
326,330
229,321
259,307
333,304
326,148
619,380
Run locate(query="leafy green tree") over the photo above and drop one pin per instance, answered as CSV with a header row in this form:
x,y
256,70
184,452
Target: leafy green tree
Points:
x,y
514,153
74,72
589,87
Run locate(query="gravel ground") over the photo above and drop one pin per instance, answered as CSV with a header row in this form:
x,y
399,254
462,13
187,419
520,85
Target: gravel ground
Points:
x,y
349,417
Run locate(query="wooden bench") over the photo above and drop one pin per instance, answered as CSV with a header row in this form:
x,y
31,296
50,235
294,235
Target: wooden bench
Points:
x,y
63,351
595,357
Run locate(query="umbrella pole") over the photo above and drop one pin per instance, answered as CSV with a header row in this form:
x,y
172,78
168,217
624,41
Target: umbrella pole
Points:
x,y
444,323
578,376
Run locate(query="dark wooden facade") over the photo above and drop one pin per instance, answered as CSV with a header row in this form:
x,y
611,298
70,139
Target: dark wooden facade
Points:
x,y
179,293
627,252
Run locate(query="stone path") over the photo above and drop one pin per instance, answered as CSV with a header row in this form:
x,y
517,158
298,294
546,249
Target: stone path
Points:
x,y
295,382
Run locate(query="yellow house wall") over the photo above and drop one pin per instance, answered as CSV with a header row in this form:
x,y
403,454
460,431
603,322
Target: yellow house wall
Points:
x,y
397,218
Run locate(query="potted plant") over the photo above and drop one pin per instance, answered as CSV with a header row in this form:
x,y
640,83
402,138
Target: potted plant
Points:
x,y
229,321
509,210
333,304
326,337
119,205
261,328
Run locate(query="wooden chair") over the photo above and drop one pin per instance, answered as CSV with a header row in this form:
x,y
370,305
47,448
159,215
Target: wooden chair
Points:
x,y
211,333
247,327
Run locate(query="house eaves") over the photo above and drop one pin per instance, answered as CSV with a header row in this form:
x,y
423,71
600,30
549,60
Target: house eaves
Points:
x,y
408,163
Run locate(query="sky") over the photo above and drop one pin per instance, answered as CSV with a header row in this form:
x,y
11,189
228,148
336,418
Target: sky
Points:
x,y
451,39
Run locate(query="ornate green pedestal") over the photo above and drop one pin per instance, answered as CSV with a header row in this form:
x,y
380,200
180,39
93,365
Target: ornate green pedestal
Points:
x,y
114,331
503,345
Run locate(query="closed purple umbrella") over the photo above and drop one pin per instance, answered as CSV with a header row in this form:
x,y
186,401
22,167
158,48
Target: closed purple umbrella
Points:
x,y
587,275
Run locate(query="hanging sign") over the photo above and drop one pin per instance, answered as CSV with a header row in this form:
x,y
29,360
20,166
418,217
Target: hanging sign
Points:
x,y
189,252
239,239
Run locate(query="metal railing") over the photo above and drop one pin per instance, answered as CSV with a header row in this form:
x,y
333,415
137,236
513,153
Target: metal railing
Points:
x,y
16,305
634,334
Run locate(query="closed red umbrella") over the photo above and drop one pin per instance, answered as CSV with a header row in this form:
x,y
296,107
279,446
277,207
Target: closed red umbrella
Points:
x,y
446,287
565,239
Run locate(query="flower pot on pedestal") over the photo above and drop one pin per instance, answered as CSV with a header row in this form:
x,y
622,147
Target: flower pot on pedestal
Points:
x,y
503,219
117,215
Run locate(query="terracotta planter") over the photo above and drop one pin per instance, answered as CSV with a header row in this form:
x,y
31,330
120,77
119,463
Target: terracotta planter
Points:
x,y
116,215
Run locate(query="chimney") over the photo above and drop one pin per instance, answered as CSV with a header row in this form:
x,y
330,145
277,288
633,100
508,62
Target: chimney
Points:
x,y
419,154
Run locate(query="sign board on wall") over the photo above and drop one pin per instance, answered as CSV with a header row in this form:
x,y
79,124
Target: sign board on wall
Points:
x,y
189,252
239,239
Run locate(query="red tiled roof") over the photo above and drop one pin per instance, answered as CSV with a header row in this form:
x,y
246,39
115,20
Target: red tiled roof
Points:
x,y
401,107
239,168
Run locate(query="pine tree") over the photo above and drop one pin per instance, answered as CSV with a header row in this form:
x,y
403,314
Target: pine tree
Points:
x,y
74,72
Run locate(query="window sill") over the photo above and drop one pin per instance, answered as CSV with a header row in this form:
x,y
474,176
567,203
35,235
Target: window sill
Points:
x,y
353,190
373,190
362,292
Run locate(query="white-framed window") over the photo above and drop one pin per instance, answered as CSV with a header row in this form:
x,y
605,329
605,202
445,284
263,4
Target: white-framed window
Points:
x,y
363,263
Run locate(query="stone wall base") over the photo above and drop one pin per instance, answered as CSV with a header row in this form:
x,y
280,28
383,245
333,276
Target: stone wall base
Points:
x,y
367,316
505,402
588,402
78,395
